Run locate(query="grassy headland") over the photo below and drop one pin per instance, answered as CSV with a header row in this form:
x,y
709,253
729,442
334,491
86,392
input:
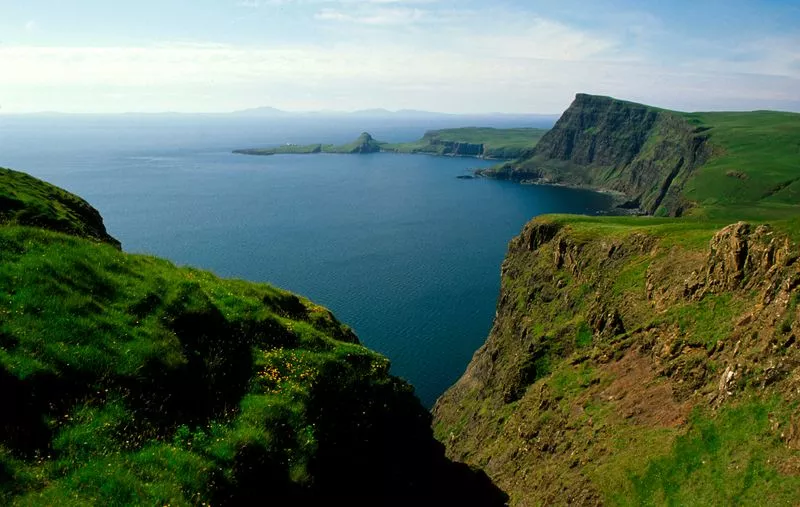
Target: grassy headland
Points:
x,y
24,200
734,165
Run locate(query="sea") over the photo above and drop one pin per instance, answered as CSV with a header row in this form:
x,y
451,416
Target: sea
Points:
x,y
397,246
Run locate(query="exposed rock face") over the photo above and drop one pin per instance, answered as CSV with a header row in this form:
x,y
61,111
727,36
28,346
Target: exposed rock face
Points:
x,y
601,338
742,256
600,142
460,149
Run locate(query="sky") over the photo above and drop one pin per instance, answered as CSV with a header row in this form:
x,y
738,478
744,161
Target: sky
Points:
x,y
455,56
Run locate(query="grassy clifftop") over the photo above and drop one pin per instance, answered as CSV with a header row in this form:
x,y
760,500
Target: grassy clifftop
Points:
x,y
754,168
127,380
669,162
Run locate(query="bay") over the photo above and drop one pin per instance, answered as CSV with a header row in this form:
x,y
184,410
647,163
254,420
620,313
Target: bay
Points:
x,y
395,245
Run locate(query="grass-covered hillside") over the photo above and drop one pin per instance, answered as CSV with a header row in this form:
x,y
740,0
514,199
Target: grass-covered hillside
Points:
x,y
489,143
754,168
126,380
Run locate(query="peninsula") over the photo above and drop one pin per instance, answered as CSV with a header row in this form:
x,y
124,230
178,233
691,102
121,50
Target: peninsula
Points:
x,y
489,143
364,144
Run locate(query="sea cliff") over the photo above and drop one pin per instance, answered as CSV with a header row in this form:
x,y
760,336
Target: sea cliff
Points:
x,y
645,153
644,360
637,363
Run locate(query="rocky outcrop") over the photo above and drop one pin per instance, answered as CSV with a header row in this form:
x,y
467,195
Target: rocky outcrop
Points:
x,y
741,256
605,335
643,152
365,144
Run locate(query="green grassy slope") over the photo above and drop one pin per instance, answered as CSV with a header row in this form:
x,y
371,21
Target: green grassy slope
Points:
x,y
755,166
127,380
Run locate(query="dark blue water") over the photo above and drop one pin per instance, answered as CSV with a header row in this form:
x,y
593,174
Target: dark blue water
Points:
x,y
395,245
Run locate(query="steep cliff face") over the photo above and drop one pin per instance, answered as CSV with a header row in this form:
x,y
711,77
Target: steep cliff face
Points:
x,y
454,148
600,142
637,362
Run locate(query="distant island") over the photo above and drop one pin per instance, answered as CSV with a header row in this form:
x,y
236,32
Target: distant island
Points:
x,y
489,143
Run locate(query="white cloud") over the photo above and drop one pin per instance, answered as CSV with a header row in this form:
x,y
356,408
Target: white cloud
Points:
x,y
30,26
383,16
429,58
220,77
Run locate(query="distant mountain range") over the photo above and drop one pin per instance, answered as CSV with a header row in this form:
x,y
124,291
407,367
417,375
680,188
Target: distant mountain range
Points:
x,y
377,112
271,112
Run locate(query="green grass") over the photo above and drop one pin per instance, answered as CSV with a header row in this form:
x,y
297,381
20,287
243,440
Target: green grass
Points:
x,y
724,459
128,380
707,321
140,347
755,168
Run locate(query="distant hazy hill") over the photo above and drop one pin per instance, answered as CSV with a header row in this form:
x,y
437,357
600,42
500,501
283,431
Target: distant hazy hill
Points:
x,y
261,111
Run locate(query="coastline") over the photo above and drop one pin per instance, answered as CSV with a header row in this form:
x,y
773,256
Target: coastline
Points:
x,y
618,199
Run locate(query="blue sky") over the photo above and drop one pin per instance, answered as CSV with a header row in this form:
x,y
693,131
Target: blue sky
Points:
x,y
462,56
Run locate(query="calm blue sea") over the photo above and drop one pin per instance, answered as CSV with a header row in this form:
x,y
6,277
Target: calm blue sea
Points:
x,y
395,245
